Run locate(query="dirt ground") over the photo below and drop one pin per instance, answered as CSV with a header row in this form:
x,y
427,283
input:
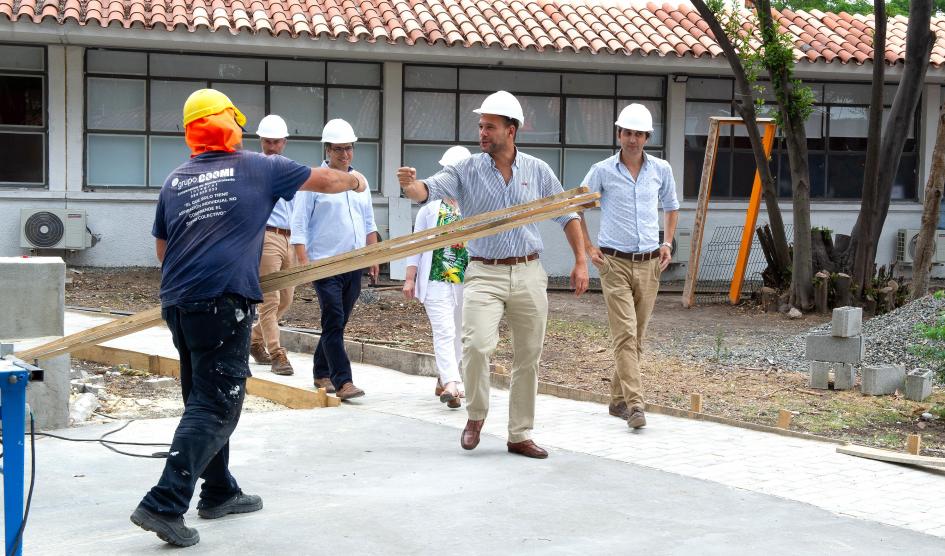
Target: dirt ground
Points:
x,y
686,353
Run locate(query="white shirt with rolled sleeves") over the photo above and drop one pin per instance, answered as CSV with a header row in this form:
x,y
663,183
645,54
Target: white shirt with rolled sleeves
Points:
x,y
629,207
478,187
332,224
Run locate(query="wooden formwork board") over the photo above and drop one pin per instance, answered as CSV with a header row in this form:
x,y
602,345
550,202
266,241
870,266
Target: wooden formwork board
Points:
x,y
890,456
463,230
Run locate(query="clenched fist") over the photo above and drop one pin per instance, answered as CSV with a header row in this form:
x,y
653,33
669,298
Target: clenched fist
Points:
x,y
406,176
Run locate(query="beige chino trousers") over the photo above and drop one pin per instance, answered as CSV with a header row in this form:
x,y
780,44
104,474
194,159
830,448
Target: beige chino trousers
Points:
x,y
630,290
519,293
277,255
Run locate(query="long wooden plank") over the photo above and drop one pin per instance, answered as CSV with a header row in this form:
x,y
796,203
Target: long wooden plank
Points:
x,y
487,225
698,227
890,456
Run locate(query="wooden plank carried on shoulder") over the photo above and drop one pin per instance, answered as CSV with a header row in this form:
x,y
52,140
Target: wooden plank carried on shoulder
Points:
x,y
890,456
466,229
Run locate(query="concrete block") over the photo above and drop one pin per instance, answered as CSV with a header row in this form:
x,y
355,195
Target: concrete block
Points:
x,y
844,376
826,347
819,374
96,389
33,294
882,379
159,383
847,322
49,399
95,379
919,384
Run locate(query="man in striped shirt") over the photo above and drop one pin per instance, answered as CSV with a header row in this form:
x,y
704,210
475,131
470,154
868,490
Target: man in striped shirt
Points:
x,y
504,276
633,185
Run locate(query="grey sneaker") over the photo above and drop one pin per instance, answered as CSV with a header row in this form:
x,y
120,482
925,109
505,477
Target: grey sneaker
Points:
x,y
171,530
239,504
636,419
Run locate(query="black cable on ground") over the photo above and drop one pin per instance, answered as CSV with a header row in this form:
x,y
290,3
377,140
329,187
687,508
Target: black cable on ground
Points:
x,y
110,444
29,497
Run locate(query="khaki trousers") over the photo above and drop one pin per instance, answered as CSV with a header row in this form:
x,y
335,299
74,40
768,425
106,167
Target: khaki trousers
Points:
x,y
277,255
630,292
519,293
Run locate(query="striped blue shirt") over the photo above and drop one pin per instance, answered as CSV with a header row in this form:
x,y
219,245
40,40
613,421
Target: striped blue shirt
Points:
x,y
478,186
629,207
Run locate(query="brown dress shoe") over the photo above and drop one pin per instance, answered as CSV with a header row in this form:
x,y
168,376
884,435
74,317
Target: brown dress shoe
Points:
x,y
636,419
527,448
326,384
348,391
280,364
439,388
259,354
454,403
619,409
470,438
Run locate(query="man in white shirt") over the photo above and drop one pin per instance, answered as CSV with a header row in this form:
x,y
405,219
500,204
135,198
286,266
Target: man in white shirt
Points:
x,y
328,225
276,255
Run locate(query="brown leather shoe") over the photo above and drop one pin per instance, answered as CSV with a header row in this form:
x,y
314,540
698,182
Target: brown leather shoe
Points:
x,y
636,419
280,364
439,388
348,391
470,437
326,384
619,409
259,354
527,448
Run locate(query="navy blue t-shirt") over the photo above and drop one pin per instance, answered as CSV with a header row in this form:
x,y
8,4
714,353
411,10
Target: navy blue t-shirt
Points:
x,y
212,212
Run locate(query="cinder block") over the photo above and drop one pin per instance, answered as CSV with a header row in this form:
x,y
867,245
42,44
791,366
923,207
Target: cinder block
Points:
x,y
33,294
826,347
843,375
847,322
882,379
159,383
919,384
819,374
49,399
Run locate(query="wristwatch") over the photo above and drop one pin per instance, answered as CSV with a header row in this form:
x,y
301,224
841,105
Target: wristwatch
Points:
x,y
667,244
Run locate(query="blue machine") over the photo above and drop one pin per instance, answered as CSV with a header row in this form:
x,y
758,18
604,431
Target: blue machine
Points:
x,y
14,375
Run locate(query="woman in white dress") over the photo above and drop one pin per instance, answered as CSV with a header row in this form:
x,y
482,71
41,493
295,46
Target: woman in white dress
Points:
x,y
435,278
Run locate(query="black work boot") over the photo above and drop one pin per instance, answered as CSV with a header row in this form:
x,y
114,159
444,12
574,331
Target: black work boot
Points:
x,y
239,504
171,530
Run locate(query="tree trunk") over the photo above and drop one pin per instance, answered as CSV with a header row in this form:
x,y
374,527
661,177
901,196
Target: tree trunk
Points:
x,y
842,286
922,262
745,106
875,207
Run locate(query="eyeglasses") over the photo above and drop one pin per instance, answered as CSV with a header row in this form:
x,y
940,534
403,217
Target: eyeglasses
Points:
x,y
342,150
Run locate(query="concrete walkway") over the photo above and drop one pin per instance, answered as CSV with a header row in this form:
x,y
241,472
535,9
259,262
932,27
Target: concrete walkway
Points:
x,y
385,475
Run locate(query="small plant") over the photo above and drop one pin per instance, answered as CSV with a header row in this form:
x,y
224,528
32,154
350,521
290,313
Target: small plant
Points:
x,y
720,350
932,353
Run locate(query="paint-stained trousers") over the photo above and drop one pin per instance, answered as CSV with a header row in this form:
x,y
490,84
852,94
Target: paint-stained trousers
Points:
x,y
630,289
519,292
212,339
277,255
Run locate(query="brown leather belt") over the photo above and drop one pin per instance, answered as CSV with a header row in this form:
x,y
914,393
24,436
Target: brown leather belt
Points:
x,y
280,231
507,260
638,257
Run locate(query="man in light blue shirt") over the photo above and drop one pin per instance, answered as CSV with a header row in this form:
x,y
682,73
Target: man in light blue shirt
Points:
x,y
633,185
276,255
324,226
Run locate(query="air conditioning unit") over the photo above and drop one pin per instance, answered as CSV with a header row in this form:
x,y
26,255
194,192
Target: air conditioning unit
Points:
x,y
682,241
906,241
54,229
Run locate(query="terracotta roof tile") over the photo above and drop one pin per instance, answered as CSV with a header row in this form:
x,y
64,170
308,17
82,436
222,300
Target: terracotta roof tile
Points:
x,y
596,26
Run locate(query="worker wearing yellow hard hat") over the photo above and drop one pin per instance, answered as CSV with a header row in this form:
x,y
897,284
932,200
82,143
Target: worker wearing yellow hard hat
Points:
x,y
209,225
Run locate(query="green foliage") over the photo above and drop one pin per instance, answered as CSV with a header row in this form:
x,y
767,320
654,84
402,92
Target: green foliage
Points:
x,y
893,7
932,353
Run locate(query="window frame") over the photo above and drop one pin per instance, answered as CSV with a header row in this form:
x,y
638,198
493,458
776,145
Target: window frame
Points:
x,y
148,133
616,97
31,130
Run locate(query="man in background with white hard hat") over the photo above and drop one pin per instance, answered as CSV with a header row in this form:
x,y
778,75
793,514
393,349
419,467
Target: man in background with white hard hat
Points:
x,y
633,185
208,227
504,276
328,225
277,255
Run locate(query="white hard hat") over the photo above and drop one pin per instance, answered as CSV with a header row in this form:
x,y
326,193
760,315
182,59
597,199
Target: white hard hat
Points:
x,y
338,131
272,127
454,155
502,103
636,117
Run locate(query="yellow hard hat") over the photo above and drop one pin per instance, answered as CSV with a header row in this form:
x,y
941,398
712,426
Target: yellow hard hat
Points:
x,y
207,102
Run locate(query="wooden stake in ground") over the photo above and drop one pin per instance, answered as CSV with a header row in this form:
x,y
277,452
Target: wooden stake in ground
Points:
x,y
695,403
463,230
784,419
914,444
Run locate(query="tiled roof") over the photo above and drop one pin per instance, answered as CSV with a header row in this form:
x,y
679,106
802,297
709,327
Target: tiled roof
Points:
x,y
594,26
